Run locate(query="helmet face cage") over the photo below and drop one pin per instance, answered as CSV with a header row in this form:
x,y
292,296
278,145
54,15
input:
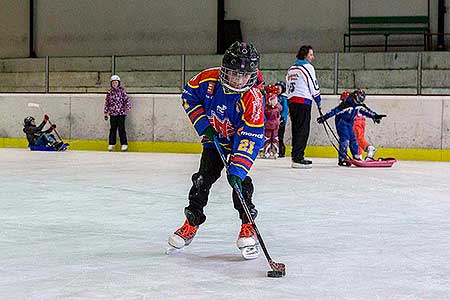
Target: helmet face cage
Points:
x,y
239,71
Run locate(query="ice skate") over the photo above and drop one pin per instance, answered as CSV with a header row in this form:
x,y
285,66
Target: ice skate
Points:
x,y
357,157
247,242
183,236
110,148
302,164
344,163
124,148
371,150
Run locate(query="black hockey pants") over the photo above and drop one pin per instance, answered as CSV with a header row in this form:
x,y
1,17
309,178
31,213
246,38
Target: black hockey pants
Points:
x,y
210,168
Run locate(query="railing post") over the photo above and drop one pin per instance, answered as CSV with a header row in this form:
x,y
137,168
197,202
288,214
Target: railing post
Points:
x,y
113,65
336,72
183,71
47,74
419,73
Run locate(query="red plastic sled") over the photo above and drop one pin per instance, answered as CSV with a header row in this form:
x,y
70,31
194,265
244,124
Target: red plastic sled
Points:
x,y
378,163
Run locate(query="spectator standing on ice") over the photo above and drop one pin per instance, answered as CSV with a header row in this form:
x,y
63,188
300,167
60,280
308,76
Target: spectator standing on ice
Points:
x,y
117,106
302,89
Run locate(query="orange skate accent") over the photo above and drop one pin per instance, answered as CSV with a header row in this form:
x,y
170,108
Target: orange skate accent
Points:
x,y
187,232
247,231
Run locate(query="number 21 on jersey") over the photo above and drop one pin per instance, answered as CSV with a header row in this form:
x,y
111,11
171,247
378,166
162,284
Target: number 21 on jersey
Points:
x,y
246,146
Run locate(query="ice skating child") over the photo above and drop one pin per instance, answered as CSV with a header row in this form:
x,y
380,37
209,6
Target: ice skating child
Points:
x,y
272,113
282,99
223,103
117,106
345,114
359,127
36,136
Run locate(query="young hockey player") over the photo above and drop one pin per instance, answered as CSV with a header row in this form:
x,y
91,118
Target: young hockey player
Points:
x,y
36,136
359,127
345,115
223,102
272,112
282,99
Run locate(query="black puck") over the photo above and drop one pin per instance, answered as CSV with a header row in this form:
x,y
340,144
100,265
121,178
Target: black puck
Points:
x,y
275,274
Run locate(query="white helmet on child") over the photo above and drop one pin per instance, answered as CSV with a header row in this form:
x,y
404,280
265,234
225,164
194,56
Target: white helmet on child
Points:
x,y
115,77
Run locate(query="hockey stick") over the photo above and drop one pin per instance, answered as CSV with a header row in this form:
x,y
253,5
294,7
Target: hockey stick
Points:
x,y
278,269
51,124
325,125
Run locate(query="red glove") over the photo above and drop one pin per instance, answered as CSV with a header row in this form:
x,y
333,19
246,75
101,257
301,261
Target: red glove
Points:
x,y
45,118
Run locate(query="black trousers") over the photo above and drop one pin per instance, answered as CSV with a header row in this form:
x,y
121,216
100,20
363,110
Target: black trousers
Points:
x,y
301,118
117,122
209,172
282,146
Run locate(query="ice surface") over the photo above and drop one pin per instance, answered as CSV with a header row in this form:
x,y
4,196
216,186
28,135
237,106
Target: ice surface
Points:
x,y
94,225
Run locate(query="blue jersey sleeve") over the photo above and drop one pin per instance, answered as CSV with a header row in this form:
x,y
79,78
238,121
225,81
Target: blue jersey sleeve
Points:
x,y
193,99
249,138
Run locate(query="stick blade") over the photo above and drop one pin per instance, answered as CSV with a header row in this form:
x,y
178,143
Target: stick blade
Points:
x,y
278,270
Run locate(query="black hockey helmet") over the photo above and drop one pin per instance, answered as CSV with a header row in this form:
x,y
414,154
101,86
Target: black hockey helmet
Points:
x,y
283,86
239,71
359,96
28,121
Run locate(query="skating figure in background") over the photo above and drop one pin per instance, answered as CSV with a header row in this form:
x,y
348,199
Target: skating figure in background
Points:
x,y
272,112
282,99
36,136
223,102
117,106
345,117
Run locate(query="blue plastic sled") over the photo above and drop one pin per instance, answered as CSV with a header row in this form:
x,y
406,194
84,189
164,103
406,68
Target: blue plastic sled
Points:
x,y
47,148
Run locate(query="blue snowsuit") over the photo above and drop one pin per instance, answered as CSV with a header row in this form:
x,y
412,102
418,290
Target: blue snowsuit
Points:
x,y
345,114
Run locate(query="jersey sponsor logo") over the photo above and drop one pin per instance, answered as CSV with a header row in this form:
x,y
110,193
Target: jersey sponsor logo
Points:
x,y
251,134
292,76
221,108
211,86
222,126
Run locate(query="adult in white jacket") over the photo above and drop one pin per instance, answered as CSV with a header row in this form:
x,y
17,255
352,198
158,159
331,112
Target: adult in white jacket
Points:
x,y
302,90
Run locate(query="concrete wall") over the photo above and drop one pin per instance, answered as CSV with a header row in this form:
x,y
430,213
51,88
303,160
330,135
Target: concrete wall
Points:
x,y
141,27
379,73
412,122
14,20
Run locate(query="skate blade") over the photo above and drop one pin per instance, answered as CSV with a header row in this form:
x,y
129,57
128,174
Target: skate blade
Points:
x,y
172,250
250,252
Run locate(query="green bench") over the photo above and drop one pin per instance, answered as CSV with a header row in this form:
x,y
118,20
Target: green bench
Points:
x,y
386,26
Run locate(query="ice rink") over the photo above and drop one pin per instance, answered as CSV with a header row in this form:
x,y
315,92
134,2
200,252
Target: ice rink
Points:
x,y
94,225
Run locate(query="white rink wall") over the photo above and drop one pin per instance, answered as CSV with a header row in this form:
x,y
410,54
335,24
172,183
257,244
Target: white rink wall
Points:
x,y
412,122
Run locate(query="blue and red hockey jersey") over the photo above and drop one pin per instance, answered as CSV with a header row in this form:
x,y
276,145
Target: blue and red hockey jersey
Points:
x,y
237,117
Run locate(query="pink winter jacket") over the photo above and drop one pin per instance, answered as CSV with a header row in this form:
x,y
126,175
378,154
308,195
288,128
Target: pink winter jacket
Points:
x,y
117,102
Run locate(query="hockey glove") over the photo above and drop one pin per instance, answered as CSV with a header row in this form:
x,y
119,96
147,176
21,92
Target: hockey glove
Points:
x,y
233,180
46,118
378,118
321,119
209,132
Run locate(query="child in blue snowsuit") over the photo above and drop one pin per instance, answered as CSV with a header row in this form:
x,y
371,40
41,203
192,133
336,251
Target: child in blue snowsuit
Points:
x,y
282,99
345,114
